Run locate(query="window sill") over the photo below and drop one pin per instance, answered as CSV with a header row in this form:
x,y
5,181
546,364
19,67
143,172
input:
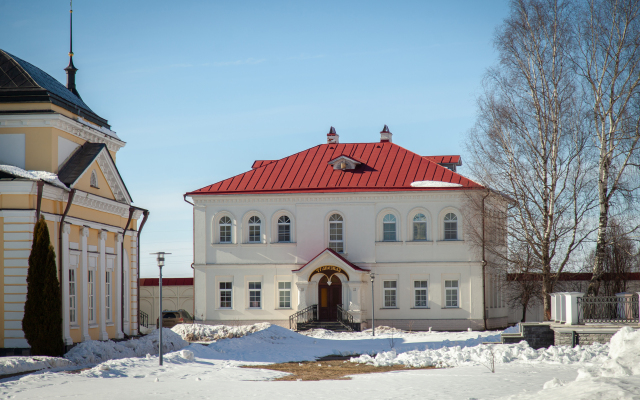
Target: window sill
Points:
x,y
389,243
224,308
224,244
450,241
257,244
450,308
91,326
74,327
110,324
420,308
253,308
389,308
284,308
283,244
419,242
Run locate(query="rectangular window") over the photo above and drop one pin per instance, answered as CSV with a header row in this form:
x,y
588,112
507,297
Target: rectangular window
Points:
x,y
390,288
284,233
72,296
450,231
225,294
91,287
225,234
420,294
254,234
108,295
389,232
335,237
255,294
284,294
451,293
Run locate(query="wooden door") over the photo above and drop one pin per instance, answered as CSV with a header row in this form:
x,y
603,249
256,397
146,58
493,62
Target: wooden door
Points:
x,y
329,296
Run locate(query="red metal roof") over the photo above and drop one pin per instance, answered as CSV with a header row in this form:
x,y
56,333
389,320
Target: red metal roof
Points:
x,y
385,167
166,281
349,263
445,159
260,163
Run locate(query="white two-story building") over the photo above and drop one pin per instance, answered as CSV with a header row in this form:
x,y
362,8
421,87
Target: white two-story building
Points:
x,y
309,231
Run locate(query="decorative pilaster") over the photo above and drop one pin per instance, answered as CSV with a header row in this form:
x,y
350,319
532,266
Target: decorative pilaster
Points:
x,y
302,294
85,290
102,273
118,286
66,229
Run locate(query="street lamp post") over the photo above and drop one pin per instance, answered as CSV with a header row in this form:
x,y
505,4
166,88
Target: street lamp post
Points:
x,y
160,260
373,310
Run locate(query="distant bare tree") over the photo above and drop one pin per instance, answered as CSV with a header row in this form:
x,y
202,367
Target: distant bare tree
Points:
x,y
608,62
529,141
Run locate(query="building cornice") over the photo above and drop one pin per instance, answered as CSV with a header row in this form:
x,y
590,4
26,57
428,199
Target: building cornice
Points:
x,y
66,124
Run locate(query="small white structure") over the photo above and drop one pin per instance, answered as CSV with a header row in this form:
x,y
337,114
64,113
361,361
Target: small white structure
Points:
x,y
310,228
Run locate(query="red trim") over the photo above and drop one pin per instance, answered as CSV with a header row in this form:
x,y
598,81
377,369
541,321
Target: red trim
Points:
x,y
571,276
166,282
349,263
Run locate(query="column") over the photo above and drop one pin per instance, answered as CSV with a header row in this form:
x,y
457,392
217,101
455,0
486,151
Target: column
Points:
x,y
85,292
552,296
102,274
66,228
355,308
302,295
572,310
118,285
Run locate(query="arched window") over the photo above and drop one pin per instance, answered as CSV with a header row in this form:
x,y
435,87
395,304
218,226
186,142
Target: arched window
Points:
x,y
255,224
225,230
419,227
450,227
94,179
284,229
389,228
336,236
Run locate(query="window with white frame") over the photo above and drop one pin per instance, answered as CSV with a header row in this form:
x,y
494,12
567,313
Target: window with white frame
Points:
x,y
336,233
284,294
93,181
450,227
255,294
91,288
451,294
419,227
255,226
225,229
284,229
389,228
420,294
107,282
225,294
72,296
390,292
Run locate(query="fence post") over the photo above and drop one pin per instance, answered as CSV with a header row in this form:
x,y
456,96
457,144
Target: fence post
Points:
x,y
553,306
624,309
571,307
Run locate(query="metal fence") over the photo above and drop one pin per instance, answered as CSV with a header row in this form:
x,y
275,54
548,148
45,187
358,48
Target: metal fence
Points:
x,y
608,309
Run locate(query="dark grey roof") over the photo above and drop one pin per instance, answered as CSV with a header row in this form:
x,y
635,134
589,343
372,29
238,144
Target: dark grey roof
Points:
x,y
21,81
81,160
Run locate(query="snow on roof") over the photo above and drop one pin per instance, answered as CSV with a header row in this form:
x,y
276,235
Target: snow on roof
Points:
x,y
434,184
45,176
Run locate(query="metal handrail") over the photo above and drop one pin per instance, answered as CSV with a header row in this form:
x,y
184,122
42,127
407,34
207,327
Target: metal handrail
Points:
x,y
608,309
303,316
144,319
347,320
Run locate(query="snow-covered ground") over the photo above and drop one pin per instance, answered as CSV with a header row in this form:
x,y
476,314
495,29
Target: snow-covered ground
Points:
x,y
212,371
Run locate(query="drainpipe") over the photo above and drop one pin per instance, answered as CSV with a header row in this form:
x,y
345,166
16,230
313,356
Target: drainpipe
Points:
x,y
124,233
484,265
145,214
193,320
39,201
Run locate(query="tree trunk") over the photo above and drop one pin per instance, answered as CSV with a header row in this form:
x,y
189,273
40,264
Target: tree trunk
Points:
x,y
603,222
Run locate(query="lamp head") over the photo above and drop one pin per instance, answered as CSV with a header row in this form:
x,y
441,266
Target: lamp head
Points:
x,y
372,276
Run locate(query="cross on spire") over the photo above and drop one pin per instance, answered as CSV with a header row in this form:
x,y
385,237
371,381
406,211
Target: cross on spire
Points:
x,y
71,69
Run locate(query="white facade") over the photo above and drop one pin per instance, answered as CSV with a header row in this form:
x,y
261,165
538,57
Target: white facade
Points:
x,y
243,272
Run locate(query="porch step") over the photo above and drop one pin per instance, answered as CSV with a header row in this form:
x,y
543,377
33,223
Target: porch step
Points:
x,y
328,325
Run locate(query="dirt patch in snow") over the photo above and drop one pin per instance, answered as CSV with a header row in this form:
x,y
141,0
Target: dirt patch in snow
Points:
x,y
326,370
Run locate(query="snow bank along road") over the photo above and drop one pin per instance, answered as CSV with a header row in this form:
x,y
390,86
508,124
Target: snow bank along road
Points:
x,y
212,371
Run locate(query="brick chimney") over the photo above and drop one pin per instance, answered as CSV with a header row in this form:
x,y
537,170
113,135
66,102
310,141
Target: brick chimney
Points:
x,y
332,136
385,135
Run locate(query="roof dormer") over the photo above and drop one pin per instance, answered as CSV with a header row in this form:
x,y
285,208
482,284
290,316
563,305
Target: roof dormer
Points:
x,y
344,163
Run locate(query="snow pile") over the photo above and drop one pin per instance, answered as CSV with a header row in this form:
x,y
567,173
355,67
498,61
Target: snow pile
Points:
x,y
480,354
207,333
14,365
434,184
513,329
94,351
48,177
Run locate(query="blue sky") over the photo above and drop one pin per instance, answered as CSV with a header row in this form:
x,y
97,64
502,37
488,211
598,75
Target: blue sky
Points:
x,y
200,89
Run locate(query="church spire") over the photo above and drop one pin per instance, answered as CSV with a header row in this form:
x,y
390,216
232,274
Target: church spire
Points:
x,y
71,69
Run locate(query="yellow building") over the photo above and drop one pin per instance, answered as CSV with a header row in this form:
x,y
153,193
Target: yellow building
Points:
x,y
57,160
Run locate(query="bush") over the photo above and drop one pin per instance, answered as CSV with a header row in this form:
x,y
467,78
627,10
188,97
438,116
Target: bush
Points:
x,y
42,322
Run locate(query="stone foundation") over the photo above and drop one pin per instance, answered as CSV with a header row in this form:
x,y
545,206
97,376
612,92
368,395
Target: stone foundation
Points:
x,y
538,335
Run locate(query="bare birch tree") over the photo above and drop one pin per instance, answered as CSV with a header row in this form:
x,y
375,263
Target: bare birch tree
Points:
x,y
529,142
608,61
